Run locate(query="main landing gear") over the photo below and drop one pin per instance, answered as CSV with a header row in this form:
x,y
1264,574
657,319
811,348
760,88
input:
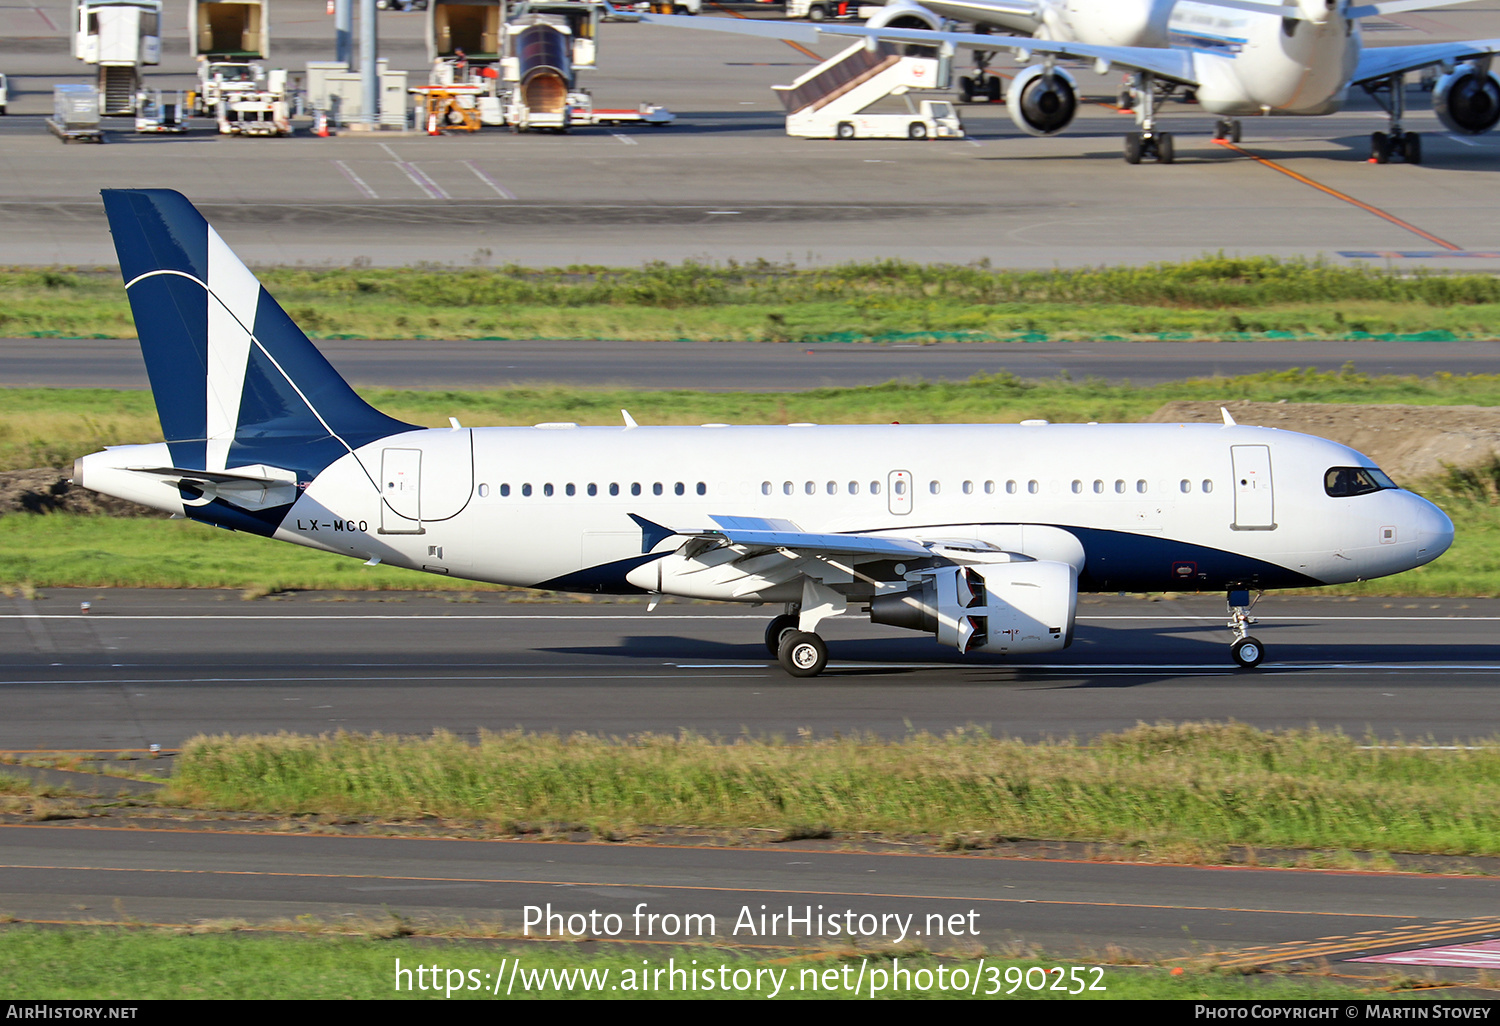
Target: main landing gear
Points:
x,y
1246,651
800,653
1227,129
1148,143
1394,142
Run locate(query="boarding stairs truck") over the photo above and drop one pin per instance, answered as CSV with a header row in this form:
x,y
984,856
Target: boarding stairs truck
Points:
x,y
119,37
228,37
866,94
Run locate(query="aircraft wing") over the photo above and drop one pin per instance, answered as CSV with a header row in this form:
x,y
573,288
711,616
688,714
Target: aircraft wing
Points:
x,y
758,533
1392,60
1176,65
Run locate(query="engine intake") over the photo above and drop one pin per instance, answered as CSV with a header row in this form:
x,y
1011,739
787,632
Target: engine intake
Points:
x,y
1001,607
1467,100
1042,102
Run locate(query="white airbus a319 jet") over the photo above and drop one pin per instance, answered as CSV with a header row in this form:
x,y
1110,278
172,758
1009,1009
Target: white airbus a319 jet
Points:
x,y
1239,57
981,535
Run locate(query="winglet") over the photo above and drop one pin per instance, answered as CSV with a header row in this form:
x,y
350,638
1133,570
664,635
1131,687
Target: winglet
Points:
x,y
629,420
1228,420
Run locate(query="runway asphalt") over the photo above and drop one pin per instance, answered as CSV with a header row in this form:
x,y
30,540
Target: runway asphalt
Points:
x,y
145,668
1065,909
763,366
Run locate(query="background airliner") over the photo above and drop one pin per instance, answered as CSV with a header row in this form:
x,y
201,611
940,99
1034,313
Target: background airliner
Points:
x,y
982,535
1241,58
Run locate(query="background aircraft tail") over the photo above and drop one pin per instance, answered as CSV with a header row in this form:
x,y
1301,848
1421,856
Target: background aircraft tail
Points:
x,y
236,382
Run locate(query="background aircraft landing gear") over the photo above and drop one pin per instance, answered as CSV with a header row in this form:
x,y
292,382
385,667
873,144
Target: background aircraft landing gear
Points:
x,y
777,629
1406,145
1247,652
1148,143
1390,94
1228,129
1155,146
802,654
982,87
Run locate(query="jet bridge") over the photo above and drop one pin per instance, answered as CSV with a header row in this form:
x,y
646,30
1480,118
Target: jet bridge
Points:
x,y
864,93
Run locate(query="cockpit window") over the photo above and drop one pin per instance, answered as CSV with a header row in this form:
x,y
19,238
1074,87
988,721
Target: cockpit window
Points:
x,y
1340,482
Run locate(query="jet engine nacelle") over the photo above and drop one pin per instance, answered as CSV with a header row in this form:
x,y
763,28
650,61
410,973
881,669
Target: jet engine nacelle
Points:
x,y
905,14
1467,100
1042,102
1019,607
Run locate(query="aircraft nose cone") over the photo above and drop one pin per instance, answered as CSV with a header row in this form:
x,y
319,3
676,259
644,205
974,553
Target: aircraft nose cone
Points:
x,y
1434,531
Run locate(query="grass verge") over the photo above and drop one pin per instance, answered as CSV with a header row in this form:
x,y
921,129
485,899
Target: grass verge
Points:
x,y
1201,785
52,426
124,964
1211,297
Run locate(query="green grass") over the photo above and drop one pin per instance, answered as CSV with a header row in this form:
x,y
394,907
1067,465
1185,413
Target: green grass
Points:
x,y
132,964
1211,297
52,426
1204,786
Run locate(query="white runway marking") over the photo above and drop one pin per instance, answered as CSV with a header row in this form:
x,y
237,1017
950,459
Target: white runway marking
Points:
x,y
624,138
479,173
358,182
418,176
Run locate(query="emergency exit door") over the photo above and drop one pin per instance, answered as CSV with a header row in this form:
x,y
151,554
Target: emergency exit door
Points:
x,y
898,491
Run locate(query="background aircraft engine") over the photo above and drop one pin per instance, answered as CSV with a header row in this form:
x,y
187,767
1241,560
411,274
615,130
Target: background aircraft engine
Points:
x,y
1467,100
997,607
1041,103
903,14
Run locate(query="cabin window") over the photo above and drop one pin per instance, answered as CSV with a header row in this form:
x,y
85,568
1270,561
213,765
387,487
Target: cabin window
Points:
x,y
702,488
765,488
810,488
1077,487
1098,487
1033,487
656,488
679,489
968,487
1010,488
833,487
635,488
1119,487
874,487
1187,486
505,491
934,487
484,491
989,488
900,487
570,489
593,489
526,490
547,490
614,489
853,487
787,488
1140,487
1208,486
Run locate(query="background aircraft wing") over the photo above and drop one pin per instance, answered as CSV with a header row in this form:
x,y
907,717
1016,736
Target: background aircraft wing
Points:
x,y
1392,60
1176,65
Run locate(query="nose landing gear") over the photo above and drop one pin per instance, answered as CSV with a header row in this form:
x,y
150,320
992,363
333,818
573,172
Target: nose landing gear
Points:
x,y
1246,651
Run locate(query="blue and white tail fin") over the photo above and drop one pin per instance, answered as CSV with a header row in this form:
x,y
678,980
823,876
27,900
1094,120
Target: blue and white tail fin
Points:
x,y
236,382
